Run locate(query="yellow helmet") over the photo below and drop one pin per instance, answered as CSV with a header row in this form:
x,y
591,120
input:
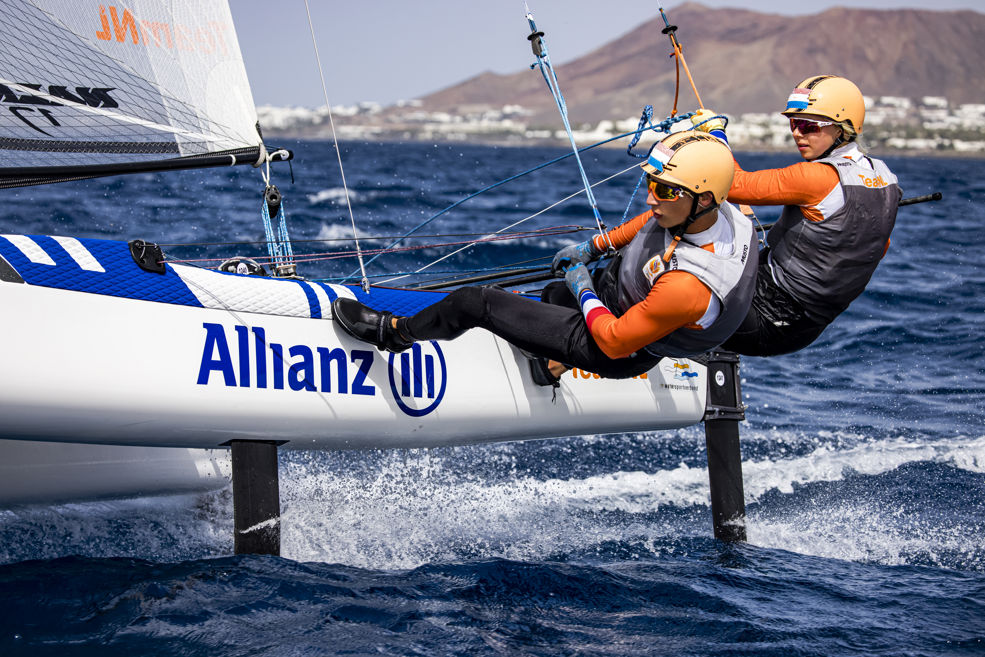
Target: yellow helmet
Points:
x,y
832,97
696,161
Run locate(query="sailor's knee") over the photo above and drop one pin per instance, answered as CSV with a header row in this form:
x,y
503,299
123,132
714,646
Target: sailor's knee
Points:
x,y
468,301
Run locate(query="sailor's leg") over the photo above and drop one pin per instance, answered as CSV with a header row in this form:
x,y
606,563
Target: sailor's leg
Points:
x,y
555,332
775,324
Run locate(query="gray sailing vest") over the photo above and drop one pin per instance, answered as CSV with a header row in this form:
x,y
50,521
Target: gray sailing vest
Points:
x,y
824,265
731,278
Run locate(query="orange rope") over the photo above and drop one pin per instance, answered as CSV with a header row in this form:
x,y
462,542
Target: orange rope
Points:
x,y
677,82
679,56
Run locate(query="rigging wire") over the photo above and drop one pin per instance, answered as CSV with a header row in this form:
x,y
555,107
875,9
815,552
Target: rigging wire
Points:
x,y
338,153
517,223
335,255
543,62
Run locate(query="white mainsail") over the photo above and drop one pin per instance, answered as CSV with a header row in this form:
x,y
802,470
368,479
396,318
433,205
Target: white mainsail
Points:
x,y
88,83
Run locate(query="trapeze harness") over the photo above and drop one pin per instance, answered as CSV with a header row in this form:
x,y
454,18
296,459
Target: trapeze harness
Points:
x,y
812,270
729,276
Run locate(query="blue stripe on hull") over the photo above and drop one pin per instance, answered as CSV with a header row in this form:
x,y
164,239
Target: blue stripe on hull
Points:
x,y
122,278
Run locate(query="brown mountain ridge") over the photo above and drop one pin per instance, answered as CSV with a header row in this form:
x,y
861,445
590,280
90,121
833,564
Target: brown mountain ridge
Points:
x,y
746,61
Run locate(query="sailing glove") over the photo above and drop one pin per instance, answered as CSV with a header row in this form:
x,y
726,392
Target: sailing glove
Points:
x,y
709,121
572,255
579,279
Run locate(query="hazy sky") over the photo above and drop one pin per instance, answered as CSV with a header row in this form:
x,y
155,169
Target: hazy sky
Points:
x,y
386,50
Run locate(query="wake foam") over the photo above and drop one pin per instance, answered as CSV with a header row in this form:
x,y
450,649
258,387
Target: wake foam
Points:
x,y
404,508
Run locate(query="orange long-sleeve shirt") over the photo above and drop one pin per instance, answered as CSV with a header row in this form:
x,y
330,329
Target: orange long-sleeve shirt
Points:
x,y
814,186
677,300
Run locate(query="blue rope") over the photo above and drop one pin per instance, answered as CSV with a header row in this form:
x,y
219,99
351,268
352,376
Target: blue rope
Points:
x,y
632,197
544,64
280,249
646,118
662,126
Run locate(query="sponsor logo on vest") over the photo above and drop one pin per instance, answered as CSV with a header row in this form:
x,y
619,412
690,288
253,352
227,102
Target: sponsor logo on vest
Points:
x,y
418,378
680,369
873,182
653,268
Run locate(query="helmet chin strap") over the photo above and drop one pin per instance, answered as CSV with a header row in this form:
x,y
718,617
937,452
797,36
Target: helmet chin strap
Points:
x,y
679,231
839,140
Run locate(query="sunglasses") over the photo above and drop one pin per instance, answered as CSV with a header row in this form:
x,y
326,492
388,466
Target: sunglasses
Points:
x,y
663,191
808,126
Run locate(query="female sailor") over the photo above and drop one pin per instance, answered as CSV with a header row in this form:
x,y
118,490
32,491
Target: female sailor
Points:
x,y
840,207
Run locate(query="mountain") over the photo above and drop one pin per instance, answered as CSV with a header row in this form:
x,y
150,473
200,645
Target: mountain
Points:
x,y
746,61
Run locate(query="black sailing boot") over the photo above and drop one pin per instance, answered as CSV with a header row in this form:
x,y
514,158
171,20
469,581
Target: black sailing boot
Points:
x,y
368,325
541,373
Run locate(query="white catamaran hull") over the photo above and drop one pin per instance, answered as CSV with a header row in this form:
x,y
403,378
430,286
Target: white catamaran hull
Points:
x,y
97,350
46,473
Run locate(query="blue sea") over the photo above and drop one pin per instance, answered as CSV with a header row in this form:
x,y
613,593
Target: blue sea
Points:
x,y
863,458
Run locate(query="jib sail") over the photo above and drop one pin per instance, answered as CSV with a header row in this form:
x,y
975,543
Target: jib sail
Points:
x,y
91,88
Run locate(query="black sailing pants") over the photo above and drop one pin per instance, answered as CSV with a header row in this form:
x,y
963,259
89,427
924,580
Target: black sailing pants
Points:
x,y
553,328
776,322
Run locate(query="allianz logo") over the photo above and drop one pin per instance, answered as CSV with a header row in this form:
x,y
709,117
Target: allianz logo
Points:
x,y
246,358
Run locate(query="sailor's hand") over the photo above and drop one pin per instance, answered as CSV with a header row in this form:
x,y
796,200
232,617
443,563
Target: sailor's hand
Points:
x,y
578,279
705,120
573,255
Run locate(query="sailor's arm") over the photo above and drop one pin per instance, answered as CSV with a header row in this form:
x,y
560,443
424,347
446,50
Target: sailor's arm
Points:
x,y
803,184
595,247
622,234
677,300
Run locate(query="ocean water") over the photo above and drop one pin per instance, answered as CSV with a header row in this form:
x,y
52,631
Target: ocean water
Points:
x,y
863,460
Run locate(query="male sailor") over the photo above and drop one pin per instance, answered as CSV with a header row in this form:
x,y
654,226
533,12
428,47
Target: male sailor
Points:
x,y
840,207
681,281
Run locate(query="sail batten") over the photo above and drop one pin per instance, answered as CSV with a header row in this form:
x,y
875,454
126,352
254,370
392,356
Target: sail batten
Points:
x,y
91,83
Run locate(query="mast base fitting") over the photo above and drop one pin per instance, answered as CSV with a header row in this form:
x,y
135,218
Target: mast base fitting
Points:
x,y
148,256
286,271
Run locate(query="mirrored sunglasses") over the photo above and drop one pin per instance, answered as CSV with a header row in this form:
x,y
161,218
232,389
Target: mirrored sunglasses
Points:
x,y
663,191
807,126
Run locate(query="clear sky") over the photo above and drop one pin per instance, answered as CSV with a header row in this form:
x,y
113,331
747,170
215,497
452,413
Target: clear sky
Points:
x,y
387,50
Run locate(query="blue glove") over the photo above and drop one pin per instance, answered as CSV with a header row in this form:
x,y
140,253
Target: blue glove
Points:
x,y
578,279
706,120
573,255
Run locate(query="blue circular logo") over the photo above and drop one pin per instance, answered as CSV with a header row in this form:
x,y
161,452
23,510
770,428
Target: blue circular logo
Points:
x,y
418,376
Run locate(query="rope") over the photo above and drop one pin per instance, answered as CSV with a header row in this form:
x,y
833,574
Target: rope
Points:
x,y
544,64
279,243
338,153
670,31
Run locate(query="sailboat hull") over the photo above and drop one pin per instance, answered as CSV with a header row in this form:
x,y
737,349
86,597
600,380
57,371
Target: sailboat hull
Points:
x,y
99,351
47,473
